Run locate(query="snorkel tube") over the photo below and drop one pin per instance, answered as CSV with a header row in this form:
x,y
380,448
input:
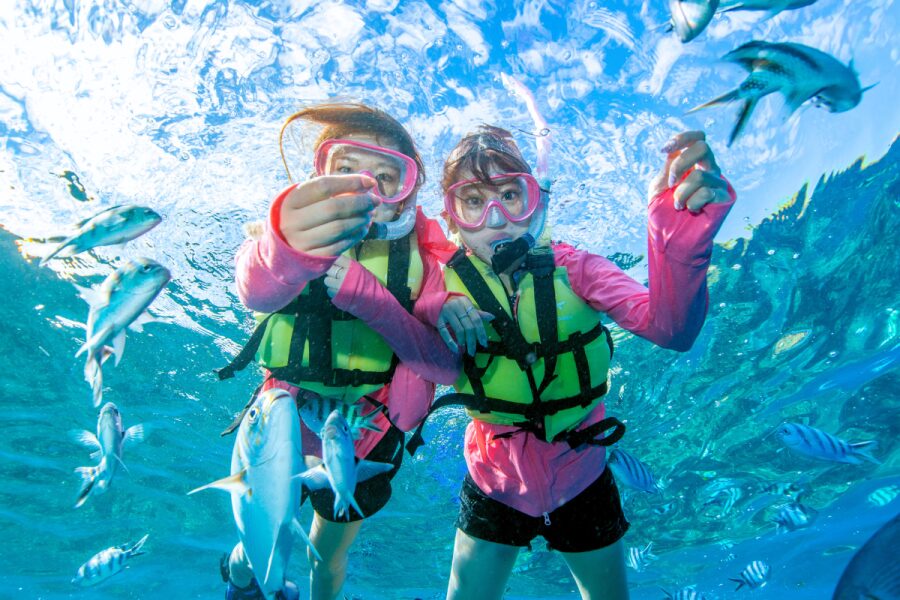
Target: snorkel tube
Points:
x,y
506,254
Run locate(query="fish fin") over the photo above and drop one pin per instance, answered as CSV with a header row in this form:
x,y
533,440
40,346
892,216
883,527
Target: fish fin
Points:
x,y
93,296
297,529
141,320
863,449
119,346
314,479
743,117
135,433
233,484
740,583
88,479
355,505
85,438
135,550
121,463
93,374
66,243
724,98
366,469
736,6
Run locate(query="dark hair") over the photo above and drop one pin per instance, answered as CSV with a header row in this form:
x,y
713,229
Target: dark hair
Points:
x,y
341,119
478,152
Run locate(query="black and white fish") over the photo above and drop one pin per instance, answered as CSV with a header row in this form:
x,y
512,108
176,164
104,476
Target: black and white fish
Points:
x,y
116,305
638,558
107,563
339,469
632,472
107,446
724,499
874,571
314,410
794,516
687,593
815,443
799,72
265,494
115,225
755,575
690,17
789,489
773,7
884,496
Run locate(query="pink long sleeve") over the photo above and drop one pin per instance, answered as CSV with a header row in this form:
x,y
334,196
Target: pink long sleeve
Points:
x,y
672,311
270,273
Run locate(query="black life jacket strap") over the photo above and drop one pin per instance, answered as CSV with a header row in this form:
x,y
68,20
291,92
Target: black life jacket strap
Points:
x,y
542,266
588,435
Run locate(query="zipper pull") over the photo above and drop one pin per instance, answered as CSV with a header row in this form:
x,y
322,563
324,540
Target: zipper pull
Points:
x,y
547,519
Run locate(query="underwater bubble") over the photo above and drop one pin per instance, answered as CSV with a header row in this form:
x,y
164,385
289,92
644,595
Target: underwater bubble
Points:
x,y
770,252
736,267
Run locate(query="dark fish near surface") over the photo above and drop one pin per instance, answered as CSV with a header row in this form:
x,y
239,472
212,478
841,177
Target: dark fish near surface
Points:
x,y
874,571
107,563
816,443
755,575
688,593
799,72
690,17
631,471
115,306
115,225
107,446
772,6
314,410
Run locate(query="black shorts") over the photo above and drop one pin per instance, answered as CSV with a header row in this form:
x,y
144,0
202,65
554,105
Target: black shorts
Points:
x,y
591,520
371,494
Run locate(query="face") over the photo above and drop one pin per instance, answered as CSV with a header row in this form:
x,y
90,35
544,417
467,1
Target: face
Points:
x,y
388,173
497,228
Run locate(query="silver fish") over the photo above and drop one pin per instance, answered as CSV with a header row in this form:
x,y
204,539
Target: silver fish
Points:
x,y
794,516
265,495
107,563
638,558
874,571
824,446
632,472
339,469
115,225
118,304
107,446
314,410
688,593
690,17
755,575
799,72
773,7
884,496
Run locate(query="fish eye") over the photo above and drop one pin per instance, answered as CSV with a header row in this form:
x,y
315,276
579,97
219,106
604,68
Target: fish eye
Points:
x,y
146,268
253,414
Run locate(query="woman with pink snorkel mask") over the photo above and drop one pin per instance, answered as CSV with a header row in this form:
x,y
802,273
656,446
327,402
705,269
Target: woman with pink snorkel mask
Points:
x,y
334,277
527,315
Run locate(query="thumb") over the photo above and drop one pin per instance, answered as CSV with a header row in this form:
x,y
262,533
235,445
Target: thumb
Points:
x,y
485,316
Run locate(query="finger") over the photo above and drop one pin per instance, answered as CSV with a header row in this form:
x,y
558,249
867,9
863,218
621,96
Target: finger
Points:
x,y
332,285
693,182
341,246
682,140
478,328
332,209
459,332
701,198
325,187
445,335
334,231
697,155
471,334
485,316
342,261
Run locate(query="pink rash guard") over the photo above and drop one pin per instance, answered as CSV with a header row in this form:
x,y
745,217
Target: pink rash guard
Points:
x,y
271,273
537,477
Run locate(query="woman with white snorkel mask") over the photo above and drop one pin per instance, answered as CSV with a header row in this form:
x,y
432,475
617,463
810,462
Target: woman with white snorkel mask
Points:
x,y
334,276
527,316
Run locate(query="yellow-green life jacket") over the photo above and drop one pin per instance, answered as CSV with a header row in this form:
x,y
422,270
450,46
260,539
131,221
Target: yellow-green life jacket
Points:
x,y
317,347
547,361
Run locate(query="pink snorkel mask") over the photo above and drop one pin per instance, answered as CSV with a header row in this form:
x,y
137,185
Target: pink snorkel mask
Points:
x,y
472,203
396,173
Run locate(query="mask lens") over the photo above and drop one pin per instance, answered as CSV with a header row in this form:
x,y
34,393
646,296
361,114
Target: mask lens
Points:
x,y
394,173
470,200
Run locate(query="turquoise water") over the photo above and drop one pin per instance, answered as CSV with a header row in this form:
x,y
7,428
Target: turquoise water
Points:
x,y
176,104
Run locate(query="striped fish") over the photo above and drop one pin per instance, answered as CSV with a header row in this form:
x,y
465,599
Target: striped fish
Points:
x,y
632,472
638,558
884,496
794,516
791,490
724,499
314,410
107,563
755,575
688,593
815,443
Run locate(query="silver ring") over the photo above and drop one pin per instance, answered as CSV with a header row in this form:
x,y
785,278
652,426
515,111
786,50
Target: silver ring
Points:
x,y
442,326
470,309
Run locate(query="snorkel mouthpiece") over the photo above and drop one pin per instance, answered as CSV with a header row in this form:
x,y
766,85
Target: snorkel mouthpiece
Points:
x,y
508,254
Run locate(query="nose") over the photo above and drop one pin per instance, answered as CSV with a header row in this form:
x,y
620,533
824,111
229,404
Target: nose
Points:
x,y
495,218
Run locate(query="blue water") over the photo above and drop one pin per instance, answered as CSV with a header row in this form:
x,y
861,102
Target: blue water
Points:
x,y
177,105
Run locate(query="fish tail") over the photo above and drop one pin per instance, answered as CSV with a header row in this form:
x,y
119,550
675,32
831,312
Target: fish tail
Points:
x,y
723,99
136,549
88,479
743,117
65,243
740,583
863,449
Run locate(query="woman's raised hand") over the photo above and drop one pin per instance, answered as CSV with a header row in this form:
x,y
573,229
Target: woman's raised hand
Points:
x,y
689,153
326,215
467,323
